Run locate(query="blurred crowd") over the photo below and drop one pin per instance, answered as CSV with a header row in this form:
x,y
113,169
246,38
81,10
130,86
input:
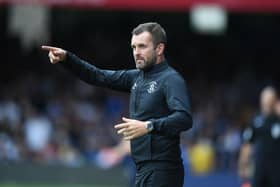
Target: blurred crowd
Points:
x,y
42,119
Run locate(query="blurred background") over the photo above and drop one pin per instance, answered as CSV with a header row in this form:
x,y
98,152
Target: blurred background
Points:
x,y
56,130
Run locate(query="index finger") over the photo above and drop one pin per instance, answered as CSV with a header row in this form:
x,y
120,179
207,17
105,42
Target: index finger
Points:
x,y
48,48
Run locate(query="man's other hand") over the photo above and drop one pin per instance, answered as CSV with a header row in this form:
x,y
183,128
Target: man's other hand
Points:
x,y
131,128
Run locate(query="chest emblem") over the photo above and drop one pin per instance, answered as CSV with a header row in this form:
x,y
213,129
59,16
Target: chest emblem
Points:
x,y
275,131
152,87
134,86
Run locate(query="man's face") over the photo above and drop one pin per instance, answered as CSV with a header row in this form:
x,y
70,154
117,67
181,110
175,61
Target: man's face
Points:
x,y
268,101
144,51
277,108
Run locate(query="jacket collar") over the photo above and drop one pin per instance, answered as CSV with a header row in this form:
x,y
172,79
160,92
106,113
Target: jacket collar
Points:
x,y
156,68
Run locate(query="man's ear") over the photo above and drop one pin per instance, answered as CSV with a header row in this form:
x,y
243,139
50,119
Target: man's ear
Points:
x,y
160,48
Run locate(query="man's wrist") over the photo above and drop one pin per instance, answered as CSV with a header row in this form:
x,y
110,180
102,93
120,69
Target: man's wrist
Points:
x,y
149,126
67,55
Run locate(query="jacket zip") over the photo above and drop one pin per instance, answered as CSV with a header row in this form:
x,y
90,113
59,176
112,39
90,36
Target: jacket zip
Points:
x,y
136,101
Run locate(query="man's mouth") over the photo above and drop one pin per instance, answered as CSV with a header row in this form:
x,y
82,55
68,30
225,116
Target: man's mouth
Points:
x,y
138,60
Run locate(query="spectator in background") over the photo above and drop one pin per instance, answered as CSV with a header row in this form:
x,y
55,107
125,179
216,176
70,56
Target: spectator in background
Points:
x,y
37,133
264,133
8,148
230,144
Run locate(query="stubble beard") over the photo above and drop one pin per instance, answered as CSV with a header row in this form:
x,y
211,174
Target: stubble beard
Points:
x,y
146,64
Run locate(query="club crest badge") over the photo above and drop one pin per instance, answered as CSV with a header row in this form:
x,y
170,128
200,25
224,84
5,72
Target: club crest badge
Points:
x,y
275,130
134,86
152,87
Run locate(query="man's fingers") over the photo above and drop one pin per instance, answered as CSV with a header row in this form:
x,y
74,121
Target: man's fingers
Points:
x,y
48,48
128,133
127,119
58,52
127,138
53,58
121,125
122,131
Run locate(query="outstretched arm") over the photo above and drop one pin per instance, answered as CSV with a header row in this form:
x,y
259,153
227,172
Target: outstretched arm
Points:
x,y
117,80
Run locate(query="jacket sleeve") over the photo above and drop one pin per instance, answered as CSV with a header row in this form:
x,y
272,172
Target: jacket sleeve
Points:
x,y
121,80
177,98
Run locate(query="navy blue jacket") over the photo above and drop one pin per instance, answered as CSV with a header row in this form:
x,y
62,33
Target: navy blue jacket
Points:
x,y
158,95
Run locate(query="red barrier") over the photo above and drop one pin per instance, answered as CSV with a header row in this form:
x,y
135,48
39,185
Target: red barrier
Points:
x,y
165,5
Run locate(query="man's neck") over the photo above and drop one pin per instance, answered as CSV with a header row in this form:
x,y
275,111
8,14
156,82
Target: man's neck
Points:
x,y
160,59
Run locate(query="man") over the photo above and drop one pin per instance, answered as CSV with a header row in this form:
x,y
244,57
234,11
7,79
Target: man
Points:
x,y
264,133
159,105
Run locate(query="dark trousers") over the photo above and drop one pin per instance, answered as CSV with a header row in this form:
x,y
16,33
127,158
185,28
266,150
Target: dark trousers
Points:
x,y
160,177
267,174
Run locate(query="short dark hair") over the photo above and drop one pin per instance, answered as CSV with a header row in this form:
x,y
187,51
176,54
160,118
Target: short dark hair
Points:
x,y
155,29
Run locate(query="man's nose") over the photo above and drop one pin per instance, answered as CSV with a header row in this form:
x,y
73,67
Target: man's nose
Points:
x,y
136,51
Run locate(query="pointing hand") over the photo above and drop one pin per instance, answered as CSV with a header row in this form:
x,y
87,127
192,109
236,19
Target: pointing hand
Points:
x,y
55,54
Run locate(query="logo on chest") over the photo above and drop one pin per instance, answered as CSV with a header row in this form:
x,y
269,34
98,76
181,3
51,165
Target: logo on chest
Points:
x,y
275,131
152,87
134,86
